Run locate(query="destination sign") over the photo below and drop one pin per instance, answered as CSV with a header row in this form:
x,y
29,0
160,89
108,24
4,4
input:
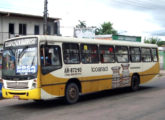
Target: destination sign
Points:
x,y
21,42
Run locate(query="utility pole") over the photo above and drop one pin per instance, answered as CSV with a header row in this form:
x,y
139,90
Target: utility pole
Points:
x,y
45,25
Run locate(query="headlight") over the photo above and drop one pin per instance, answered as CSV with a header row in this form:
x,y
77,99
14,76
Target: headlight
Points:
x,y
34,84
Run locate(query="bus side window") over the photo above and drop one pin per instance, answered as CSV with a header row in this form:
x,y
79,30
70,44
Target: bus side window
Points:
x,y
42,55
135,54
50,58
45,56
154,55
107,54
89,53
71,53
146,54
122,54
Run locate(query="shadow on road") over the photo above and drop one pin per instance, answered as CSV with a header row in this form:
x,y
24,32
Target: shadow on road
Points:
x,y
112,93
55,103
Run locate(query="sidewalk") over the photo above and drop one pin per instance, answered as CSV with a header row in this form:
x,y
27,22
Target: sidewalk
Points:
x,y
162,73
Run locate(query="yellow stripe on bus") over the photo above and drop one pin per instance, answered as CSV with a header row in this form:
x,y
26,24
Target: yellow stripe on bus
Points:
x,y
90,84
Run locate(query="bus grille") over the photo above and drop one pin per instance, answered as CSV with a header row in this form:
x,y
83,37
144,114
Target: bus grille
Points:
x,y
17,85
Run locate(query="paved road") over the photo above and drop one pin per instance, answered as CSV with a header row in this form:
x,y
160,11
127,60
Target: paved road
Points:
x,y
146,104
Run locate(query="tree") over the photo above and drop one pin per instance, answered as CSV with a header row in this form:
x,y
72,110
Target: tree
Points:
x,y
106,28
82,24
154,41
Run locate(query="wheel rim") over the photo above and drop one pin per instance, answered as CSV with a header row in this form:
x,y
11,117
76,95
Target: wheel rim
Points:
x,y
72,93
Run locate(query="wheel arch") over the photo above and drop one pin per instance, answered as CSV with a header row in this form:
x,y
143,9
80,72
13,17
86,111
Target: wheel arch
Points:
x,y
76,81
136,74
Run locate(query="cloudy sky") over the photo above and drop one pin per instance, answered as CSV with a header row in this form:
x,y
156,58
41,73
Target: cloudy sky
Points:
x,y
129,17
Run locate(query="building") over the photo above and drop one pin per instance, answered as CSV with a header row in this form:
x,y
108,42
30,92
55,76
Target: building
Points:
x,y
162,58
119,37
104,37
127,38
88,32
18,24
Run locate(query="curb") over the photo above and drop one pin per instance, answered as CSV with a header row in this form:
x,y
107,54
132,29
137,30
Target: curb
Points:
x,y
161,74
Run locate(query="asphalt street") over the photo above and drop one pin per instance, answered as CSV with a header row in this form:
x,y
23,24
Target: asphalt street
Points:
x,y
148,103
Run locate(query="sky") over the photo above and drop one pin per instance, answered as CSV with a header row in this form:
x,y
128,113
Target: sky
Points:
x,y
129,17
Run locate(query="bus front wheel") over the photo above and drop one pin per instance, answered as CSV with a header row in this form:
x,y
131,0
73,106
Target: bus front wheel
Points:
x,y
72,93
135,83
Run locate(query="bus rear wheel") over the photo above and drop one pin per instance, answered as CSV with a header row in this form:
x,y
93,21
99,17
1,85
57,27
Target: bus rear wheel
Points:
x,y
135,83
72,93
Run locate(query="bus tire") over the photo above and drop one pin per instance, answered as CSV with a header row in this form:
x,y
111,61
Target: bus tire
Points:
x,y
72,93
135,81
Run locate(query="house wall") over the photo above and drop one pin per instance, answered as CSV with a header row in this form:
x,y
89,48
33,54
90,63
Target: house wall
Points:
x,y
30,23
162,58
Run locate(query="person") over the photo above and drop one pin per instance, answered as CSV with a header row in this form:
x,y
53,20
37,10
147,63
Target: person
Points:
x,y
66,59
88,59
11,65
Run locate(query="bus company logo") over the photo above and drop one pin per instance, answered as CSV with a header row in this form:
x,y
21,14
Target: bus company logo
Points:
x,y
99,69
72,71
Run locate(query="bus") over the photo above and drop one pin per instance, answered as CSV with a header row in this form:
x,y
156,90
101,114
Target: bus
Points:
x,y
46,67
0,72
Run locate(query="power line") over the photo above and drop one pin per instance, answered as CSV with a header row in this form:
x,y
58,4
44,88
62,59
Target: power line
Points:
x,y
145,4
21,9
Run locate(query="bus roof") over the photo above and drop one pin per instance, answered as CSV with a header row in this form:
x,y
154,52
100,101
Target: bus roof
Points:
x,y
52,38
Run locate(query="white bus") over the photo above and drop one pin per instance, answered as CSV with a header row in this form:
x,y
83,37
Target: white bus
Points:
x,y
44,67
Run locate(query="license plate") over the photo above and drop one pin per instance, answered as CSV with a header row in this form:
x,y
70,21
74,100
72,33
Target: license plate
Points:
x,y
16,97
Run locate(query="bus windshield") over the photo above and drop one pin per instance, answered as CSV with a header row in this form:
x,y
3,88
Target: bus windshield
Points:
x,y
19,61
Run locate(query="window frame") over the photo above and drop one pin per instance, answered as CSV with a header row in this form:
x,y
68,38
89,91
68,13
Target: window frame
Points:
x,y
49,29
55,28
35,29
22,29
13,30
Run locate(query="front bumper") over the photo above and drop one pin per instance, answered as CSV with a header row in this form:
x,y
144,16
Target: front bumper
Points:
x,y
34,94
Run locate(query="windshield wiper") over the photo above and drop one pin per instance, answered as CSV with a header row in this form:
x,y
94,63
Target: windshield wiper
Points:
x,y
33,61
22,53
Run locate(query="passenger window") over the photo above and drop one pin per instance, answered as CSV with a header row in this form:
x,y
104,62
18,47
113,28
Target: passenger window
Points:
x,y
121,54
154,54
71,53
89,53
135,54
106,54
50,58
146,54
